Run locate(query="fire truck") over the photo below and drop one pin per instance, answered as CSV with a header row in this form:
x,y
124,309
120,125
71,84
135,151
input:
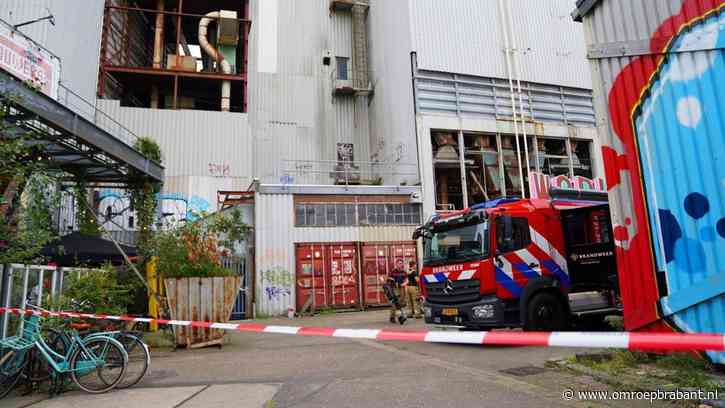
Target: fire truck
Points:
x,y
539,264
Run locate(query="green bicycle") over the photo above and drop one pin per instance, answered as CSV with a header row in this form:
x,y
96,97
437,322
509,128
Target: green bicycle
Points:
x,y
96,365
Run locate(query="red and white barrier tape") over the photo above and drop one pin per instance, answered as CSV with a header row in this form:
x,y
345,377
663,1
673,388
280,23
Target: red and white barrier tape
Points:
x,y
622,340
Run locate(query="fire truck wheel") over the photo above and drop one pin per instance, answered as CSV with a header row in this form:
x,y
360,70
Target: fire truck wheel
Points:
x,y
545,312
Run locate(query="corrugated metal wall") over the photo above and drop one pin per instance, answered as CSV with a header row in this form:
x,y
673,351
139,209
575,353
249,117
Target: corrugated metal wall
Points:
x,y
292,111
275,236
203,152
659,68
465,36
75,38
392,133
464,95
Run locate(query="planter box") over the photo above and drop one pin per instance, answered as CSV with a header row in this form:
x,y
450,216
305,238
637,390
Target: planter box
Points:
x,y
201,299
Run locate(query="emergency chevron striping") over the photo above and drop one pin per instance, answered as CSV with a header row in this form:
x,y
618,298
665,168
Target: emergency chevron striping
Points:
x,y
621,340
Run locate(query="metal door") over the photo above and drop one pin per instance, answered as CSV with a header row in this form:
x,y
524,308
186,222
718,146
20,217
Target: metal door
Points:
x,y
311,287
343,277
379,259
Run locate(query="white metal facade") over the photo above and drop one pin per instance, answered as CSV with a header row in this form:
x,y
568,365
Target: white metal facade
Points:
x,y
466,37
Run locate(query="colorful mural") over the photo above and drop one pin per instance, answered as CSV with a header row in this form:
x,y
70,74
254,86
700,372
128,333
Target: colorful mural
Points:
x,y
666,110
174,207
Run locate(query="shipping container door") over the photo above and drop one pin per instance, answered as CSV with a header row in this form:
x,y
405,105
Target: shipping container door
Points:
x,y
343,275
379,259
311,285
375,271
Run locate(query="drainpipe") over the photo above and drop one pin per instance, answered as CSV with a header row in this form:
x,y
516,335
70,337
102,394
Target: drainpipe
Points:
x,y
214,54
158,50
511,86
517,72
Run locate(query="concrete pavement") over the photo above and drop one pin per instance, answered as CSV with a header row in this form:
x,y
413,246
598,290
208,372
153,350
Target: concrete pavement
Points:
x,y
267,370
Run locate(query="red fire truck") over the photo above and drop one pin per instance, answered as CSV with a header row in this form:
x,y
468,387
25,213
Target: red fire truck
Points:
x,y
534,263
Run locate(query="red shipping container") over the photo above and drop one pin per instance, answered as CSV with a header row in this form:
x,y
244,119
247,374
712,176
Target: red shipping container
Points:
x,y
379,259
327,276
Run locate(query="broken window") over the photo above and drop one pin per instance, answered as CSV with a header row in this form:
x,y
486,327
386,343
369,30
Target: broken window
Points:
x,y
581,158
512,175
553,156
483,172
447,168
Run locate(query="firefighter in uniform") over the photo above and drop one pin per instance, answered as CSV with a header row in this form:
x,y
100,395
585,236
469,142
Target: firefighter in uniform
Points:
x,y
412,291
397,278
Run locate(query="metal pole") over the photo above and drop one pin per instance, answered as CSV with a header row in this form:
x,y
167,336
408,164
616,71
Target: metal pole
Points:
x,y
40,286
7,289
54,285
24,295
462,161
517,70
511,86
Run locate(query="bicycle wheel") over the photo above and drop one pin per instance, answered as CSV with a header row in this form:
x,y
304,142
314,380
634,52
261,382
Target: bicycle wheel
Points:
x,y
100,369
11,370
139,359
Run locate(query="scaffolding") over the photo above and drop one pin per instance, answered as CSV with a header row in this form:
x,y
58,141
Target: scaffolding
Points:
x,y
176,54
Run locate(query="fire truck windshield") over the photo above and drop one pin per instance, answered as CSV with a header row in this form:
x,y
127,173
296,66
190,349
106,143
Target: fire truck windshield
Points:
x,y
459,244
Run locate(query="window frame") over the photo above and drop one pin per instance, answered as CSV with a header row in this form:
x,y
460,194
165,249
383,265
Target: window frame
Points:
x,y
524,243
360,214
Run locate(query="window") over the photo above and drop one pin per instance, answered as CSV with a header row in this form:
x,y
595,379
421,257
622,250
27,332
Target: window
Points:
x,y
459,244
581,158
341,215
512,234
342,68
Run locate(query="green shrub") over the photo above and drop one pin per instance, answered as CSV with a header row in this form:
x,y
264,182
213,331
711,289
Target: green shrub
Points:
x,y
189,251
95,291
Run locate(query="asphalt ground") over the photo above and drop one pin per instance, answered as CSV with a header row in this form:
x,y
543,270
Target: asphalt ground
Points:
x,y
274,370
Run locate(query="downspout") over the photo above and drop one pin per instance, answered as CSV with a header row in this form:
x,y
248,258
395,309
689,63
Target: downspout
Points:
x,y
511,86
214,54
517,71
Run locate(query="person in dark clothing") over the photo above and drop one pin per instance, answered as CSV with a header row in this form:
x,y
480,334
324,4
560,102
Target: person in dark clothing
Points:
x,y
397,279
412,290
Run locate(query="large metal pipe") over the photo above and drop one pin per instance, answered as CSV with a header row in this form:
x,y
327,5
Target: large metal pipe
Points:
x,y
517,73
507,50
158,49
217,56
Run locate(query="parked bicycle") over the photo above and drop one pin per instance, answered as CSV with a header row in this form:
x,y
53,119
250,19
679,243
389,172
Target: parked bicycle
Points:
x,y
100,355
139,357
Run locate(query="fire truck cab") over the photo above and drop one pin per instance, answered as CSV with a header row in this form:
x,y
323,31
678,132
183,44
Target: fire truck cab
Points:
x,y
532,263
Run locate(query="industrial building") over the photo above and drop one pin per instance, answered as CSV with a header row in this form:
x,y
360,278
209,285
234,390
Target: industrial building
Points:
x,y
340,124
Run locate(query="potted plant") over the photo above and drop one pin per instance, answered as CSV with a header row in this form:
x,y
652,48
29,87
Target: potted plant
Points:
x,y
198,287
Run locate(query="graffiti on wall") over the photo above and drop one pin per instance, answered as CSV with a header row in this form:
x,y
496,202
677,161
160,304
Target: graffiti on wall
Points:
x,y
220,170
277,283
668,135
115,209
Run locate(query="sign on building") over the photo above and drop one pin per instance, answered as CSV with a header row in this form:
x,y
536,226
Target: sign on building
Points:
x,y
540,184
29,62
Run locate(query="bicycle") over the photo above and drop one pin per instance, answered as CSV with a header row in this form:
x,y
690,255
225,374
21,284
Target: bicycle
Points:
x,y
102,355
139,357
